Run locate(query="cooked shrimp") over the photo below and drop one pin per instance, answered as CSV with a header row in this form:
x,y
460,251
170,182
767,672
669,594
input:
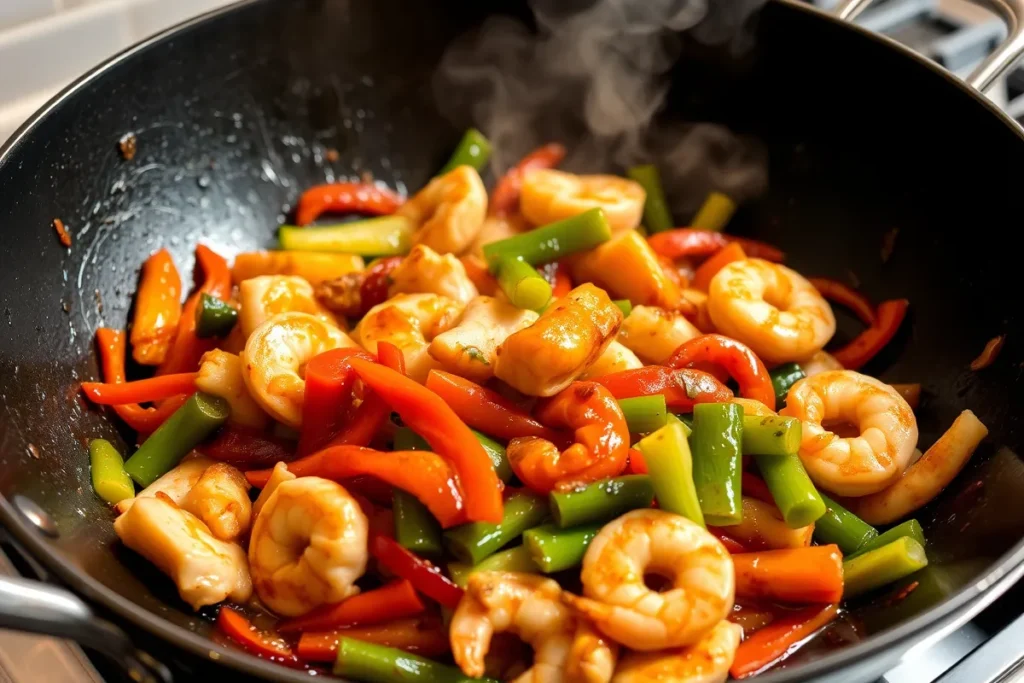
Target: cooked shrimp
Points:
x,y
706,661
926,478
220,499
175,484
820,362
449,212
654,334
770,308
854,466
498,228
263,297
654,541
627,268
206,569
549,195
528,606
616,358
423,270
220,374
308,546
593,656
275,355
410,322
470,348
569,336
278,476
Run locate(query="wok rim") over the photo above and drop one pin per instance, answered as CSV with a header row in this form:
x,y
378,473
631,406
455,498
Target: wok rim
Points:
x,y
919,631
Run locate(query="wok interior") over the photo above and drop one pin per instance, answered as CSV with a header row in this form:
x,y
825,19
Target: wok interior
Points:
x,y
234,117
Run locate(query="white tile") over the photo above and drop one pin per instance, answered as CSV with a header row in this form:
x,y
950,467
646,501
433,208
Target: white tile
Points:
x,y
14,12
147,17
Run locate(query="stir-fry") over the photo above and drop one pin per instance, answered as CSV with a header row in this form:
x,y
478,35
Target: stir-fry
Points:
x,y
416,446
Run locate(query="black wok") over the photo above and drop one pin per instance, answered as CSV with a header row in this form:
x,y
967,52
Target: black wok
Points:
x,y
233,112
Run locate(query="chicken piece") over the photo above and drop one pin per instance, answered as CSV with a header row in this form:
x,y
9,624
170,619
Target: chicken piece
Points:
x,y
410,322
628,268
220,374
470,348
174,484
220,499
426,271
654,334
615,358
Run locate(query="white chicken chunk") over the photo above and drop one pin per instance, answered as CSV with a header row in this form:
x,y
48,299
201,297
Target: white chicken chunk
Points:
x,y
174,484
470,348
220,374
615,358
654,334
220,499
426,271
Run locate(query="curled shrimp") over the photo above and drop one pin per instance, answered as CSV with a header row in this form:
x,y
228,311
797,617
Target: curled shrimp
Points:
x,y
308,546
530,607
423,270
469,349
706,661
410,322
620,604
263,297
859,465
627,268
600,451
654,334
449,212
275,355
772,309
569,336
549,195
220,498
220,374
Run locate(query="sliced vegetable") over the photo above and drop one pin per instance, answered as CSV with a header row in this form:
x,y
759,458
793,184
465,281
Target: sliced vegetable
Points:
x,y
762,527
644,414
858,352
683,242
792,490
553,241
505,197
717,461
396,600
384,236
601,501
473,150
109,480
709,269
524,286
734,357
714,213
424,636
214,318
670,464
408,440
771,435
882,566
423,575
363,198
783,378
187,348
682,389
989,354
657,217
112,348
415,528
157,309
910,529
797,575
236,627
844,295
327,397
553,549
313,266
142,390
371,663
557,275
471,543
515,559
840,526
779,639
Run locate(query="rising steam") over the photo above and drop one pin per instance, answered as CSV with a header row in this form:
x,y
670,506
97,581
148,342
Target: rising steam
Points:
x,y
597,77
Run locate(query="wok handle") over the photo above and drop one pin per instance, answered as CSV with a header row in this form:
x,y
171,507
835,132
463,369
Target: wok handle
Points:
x,y
997,63
37,607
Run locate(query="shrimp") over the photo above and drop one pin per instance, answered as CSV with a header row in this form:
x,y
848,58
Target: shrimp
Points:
x,y
616,358
645,541
449,212
470,348
220,499
174,485
206,569
410,322
308,546
528,606
278,476
654,334
820,362
263,297
926,478
628,268
274,356
854,466
600,451
770,308
549,195
569,336
220,374
424,270
706,661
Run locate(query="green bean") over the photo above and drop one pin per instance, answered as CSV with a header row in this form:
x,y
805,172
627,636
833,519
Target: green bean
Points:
x,y
717,461
840,526
524,286
109,480
415,528
882,566
473,150
670,465
214,318
471,543
792,490
382,236
783,379
200,415
517,559
715,213
601,501
553,241
553,549
408,440
644,414
625,306
771,435
910,528
360,660
656,214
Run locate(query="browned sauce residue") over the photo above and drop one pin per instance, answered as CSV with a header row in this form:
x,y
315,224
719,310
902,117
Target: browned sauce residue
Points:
x,y
989,354
332,155
62,233
128,144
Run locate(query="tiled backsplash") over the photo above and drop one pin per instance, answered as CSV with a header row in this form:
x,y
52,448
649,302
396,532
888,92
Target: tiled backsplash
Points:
x,y
46,44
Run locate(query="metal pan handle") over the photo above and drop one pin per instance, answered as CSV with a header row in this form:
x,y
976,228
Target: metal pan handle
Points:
x,y
997,63
36,607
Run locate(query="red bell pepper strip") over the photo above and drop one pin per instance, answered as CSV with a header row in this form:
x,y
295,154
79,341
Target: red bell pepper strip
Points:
x,y
423,575
486,410
866,346
758,249
737,359
989,354
376,279
680,242
731,544
246,449
505,197
637,464
238,629
812,574
157,309
424,636
345,198
140,391
187,348
844,295
430,417
682,388
327,397
709,269
390,356
373,412
776,640
396,600
478,272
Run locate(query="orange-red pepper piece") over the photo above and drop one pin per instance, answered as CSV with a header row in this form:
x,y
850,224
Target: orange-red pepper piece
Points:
x,y
682,388
505,197
140,391
345,198
157,309
735,358
866,346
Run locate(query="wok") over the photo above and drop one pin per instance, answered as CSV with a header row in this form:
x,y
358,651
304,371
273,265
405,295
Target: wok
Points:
x,y
867,144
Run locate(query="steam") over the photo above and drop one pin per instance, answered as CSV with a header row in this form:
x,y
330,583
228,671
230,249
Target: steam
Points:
x,y
596,77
